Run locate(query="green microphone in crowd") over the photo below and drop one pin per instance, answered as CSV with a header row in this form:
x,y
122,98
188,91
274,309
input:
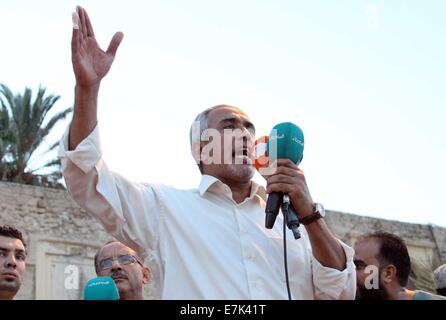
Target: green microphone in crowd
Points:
x,y
101,288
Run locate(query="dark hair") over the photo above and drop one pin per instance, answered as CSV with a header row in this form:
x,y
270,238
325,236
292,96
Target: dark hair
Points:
x,y
11,232
392,250
441,291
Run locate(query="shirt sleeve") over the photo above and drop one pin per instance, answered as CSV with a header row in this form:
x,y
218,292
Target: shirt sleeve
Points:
x,y
333,284
129,211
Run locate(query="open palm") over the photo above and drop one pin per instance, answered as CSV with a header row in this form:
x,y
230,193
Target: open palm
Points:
x,y
90,62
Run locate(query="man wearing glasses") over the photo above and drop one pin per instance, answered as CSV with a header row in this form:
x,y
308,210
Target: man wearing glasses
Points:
x,y
125,267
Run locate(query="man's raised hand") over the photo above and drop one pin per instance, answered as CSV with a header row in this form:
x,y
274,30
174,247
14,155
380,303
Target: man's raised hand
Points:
x,y
90,62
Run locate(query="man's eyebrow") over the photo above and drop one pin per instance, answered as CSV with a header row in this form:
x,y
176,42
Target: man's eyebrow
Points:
x,y
15,250
230,119
246,123
249,124
21,251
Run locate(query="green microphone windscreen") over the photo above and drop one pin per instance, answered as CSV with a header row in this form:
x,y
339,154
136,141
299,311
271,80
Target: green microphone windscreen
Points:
x,y
286,141
101,288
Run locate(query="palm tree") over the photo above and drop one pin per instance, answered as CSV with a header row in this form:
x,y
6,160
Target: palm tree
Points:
x,y
24,125
5,138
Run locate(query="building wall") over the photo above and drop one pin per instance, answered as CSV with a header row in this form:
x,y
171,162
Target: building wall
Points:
x,y
425,243
63,239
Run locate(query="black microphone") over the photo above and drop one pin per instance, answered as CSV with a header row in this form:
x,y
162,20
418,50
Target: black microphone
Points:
x,y
273,204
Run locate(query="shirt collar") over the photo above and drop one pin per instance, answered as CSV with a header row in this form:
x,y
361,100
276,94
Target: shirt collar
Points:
x,y
210,183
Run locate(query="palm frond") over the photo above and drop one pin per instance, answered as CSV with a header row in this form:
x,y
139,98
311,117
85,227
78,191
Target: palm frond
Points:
x,y
48,164
55,119
42,133
49,149
7,93
24,126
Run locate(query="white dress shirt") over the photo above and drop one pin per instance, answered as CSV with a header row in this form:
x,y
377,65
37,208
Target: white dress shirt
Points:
x,y
199,243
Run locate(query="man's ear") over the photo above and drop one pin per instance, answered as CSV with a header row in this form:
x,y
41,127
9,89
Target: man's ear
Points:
x,y
388,274
146,275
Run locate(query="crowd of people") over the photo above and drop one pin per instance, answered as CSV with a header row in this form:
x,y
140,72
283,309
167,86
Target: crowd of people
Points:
x,y
381,250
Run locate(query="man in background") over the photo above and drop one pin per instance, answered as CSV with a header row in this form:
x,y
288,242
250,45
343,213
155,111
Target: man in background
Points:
x,y
440,280
127,269
384,257
12,261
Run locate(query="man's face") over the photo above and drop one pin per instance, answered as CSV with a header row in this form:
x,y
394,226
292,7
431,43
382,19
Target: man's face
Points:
x,y
129,278
366,253
236,133
12,266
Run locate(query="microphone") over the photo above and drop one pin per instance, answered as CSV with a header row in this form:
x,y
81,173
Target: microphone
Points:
x,y
286,141
101,288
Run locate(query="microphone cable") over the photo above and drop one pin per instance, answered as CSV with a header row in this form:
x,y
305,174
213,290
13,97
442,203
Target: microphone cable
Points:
x,y
289,219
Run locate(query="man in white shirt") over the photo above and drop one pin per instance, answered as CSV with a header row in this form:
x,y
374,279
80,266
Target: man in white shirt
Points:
x,y
205,243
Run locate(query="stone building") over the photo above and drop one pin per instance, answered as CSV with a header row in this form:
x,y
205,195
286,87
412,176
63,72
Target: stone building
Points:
x,y
63,239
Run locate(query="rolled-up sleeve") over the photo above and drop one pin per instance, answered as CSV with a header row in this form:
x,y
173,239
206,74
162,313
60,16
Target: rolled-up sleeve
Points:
x,y
333,284
129,211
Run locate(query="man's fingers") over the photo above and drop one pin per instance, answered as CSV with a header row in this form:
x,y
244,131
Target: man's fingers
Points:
x,y
114,43
286,163
280,178
75,19
83,24
293,172
279,187
75,40
75,36
275,169
90,31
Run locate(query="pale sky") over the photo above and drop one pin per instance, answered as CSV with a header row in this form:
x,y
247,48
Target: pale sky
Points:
x,y
365,80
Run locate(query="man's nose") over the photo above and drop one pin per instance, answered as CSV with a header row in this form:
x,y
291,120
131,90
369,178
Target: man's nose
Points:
x,y
247,138
116,265
11,262
246,135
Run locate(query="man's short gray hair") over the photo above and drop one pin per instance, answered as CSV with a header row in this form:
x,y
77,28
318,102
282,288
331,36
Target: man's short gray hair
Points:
x,y
202,120
440,277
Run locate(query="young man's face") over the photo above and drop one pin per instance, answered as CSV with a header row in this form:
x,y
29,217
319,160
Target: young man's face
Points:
x,y
12,266
129,278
